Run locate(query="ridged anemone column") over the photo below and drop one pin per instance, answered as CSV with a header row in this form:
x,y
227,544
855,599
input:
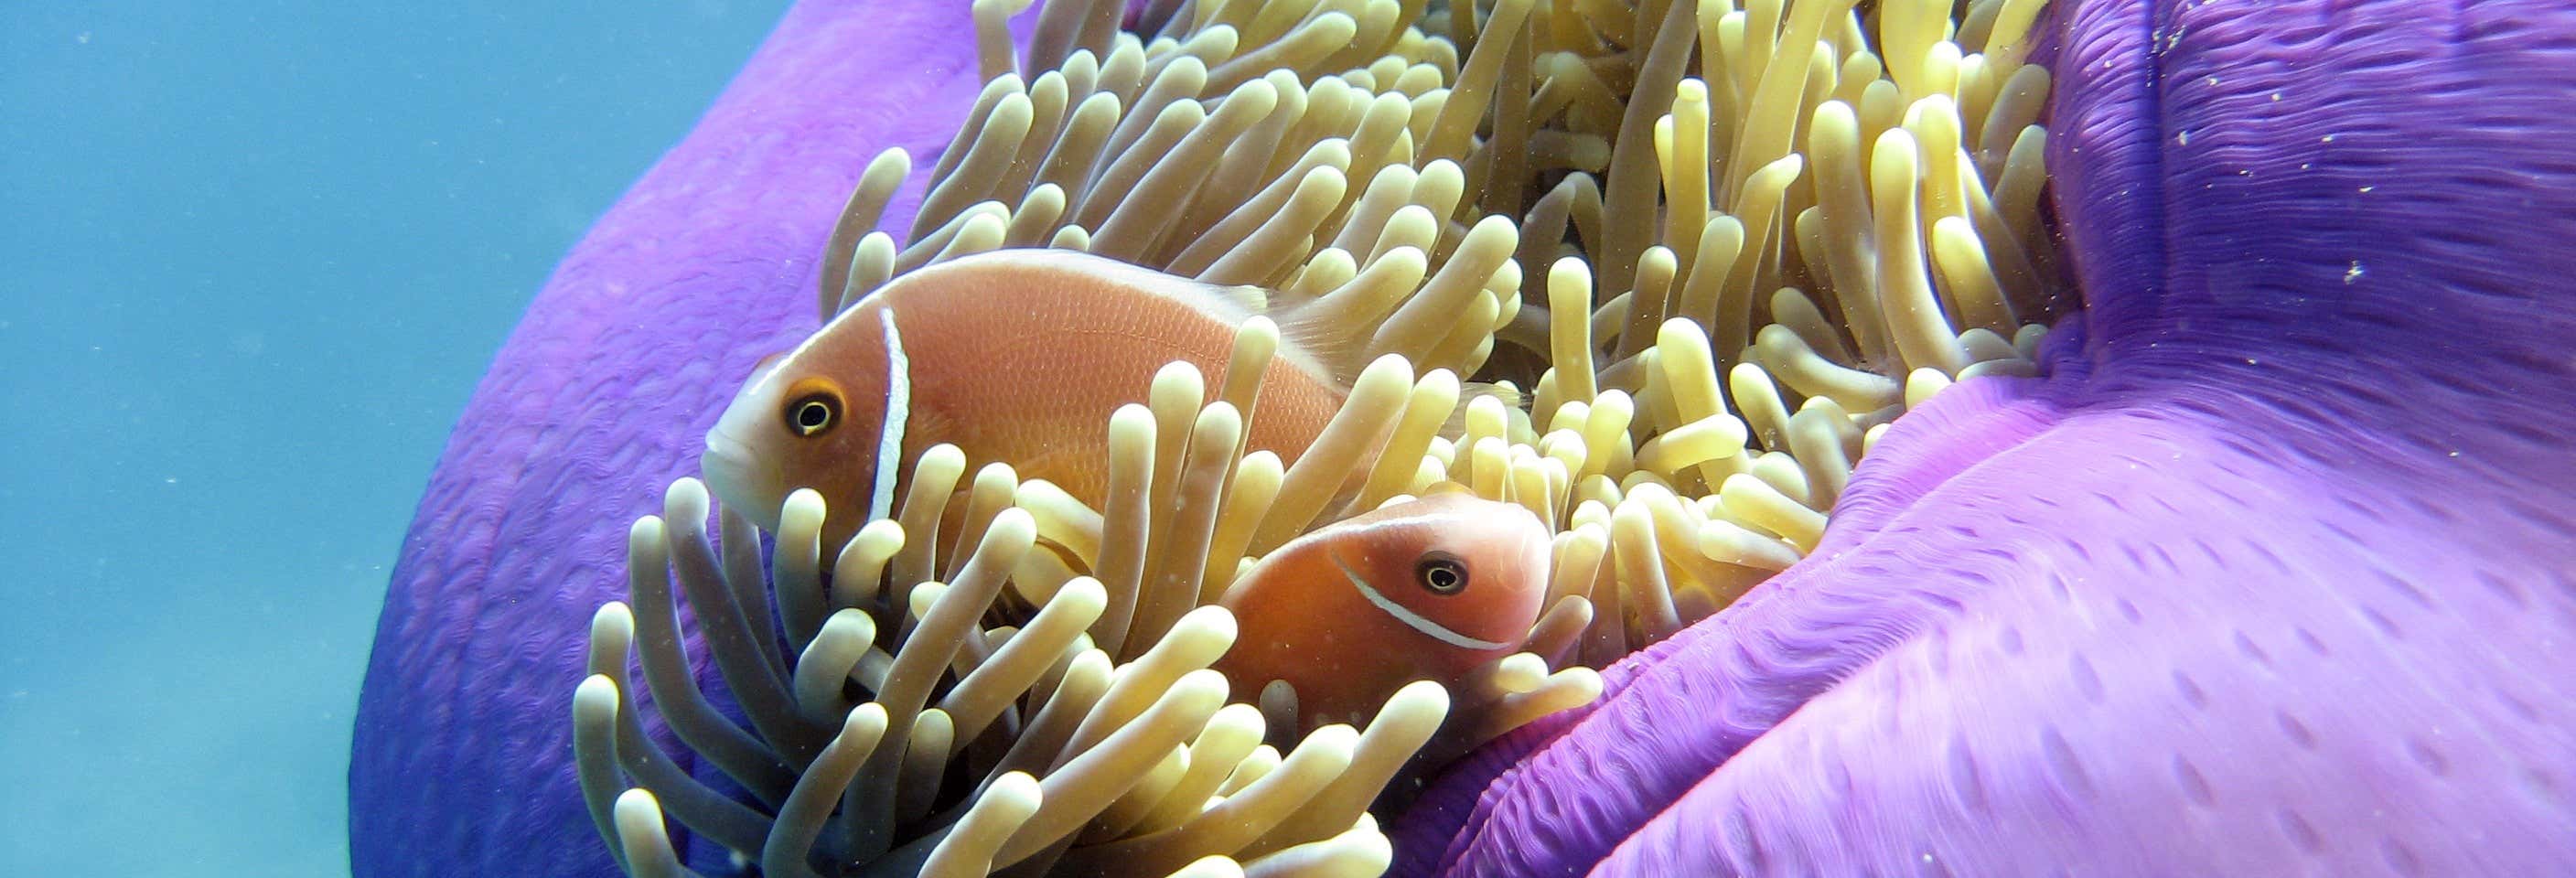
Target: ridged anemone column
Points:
x,y
2269,575
462,761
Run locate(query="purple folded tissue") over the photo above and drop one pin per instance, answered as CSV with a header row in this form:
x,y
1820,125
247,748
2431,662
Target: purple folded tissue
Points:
x,y
1984,438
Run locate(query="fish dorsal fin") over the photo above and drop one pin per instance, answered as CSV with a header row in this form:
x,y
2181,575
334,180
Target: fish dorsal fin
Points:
x,y
1230,304
1515,407
1445,487
1511,396
1302,342
1248,299
1311,327
1332,359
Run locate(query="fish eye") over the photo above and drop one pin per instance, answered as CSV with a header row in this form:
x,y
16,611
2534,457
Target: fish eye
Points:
x,y
813,408
1441,572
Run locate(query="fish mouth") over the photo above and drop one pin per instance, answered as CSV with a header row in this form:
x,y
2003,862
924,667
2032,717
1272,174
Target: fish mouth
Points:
x,y
740,481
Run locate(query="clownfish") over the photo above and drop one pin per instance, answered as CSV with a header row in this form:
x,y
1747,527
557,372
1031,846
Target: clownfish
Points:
x,y
1016,356
1426,589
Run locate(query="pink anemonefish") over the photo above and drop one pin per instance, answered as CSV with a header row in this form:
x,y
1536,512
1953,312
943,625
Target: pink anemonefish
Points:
x,y
1016,356
1427,589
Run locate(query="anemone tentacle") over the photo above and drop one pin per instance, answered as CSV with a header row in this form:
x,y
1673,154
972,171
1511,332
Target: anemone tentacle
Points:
x,y
2044,610
1663,513
2246,573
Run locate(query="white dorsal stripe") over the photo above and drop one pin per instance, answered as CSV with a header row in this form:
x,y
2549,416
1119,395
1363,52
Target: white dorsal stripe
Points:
x,y
1406,615
1433,519
898,407
1228,306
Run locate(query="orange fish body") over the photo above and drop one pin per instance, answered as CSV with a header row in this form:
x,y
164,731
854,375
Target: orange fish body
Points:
x,y
1016,356
1424,590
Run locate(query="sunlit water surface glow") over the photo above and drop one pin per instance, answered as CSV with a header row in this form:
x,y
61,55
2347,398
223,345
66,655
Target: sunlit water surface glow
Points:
x,y
257,256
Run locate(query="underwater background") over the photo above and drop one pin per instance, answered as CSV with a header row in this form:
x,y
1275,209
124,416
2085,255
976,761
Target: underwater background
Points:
x,y
257,256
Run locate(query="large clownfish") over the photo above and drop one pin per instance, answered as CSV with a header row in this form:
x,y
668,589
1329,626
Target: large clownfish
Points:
x,y
1017,356
1426,589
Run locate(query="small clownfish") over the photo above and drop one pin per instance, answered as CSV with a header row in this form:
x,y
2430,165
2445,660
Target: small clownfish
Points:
x,y
1016,356
1426,589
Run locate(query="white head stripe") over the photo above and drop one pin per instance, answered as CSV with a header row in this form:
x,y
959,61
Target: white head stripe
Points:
x,y
898,407
1406,615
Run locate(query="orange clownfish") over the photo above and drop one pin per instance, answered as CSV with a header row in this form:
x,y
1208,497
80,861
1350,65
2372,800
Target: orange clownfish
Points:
x,y
1016,356
1427,589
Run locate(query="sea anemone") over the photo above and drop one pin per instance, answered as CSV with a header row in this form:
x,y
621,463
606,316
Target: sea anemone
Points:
x,y
1093,775
1656,442
2253,581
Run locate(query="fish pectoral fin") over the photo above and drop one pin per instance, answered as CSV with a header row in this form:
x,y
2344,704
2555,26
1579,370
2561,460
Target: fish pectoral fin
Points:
x,y
1278,703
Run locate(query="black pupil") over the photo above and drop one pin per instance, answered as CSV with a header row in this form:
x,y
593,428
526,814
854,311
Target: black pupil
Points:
x,y
1443,575
813,415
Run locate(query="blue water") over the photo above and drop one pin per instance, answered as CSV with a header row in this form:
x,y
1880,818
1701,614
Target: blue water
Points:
x,y
256,255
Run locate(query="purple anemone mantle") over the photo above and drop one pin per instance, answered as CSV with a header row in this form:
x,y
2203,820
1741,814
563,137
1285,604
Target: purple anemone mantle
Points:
x,y
2275,573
